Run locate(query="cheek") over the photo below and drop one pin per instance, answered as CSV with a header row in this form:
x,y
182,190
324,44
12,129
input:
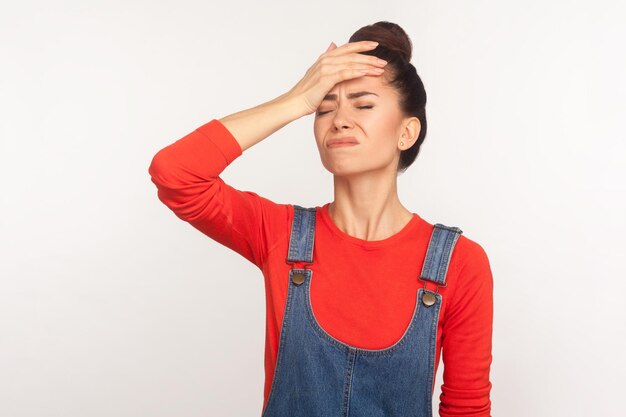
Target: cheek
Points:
x,y
319,124
317,132
382,139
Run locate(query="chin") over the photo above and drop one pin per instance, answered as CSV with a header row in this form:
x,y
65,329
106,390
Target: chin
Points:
x,y
343,171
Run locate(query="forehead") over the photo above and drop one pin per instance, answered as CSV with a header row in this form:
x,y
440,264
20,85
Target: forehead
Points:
x,y
375,84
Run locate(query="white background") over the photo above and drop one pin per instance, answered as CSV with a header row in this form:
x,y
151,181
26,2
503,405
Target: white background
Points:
x,y
112,306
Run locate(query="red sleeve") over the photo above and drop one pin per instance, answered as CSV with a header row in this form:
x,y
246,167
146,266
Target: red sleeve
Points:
x,y
467,332
186,174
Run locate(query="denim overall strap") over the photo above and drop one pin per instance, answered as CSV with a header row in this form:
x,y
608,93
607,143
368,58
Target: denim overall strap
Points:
x,y
302,235
442,241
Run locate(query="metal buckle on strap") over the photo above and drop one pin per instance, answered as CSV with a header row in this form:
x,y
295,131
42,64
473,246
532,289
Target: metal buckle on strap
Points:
x,y
297,278
292,263
428,298
438,285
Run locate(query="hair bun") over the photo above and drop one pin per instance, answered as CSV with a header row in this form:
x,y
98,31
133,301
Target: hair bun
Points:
x,y
389,35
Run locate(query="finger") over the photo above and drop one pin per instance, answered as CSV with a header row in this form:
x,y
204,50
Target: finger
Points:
x,y
350,73
331,47
354,60
351,47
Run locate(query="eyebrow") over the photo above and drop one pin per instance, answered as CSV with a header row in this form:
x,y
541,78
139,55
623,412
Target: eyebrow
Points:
x,y
350,96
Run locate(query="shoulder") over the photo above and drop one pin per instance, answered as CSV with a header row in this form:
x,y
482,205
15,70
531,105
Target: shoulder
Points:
x,y
469,255
470,270
471,282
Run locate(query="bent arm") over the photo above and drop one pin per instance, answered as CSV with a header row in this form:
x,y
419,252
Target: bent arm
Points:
x,y
187,176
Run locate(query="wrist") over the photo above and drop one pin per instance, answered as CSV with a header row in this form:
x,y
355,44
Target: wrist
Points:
x,y
292,105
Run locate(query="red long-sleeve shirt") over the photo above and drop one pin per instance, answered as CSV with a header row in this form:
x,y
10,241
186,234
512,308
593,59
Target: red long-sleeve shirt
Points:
x,y
360,302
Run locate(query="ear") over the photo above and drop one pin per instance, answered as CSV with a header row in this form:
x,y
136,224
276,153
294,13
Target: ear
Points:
x,y
411,132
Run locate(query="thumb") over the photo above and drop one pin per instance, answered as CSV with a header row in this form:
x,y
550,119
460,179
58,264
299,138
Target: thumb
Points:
x,y
331,47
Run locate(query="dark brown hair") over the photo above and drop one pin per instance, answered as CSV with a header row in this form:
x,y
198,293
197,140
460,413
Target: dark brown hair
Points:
x,y
395,47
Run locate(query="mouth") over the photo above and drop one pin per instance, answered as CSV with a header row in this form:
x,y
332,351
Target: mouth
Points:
x,y
340,142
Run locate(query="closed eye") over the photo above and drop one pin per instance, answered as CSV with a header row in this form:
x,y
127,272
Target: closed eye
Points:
x,y
361,107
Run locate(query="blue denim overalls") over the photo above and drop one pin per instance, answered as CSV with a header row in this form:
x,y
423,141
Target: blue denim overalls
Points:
x,y
317,375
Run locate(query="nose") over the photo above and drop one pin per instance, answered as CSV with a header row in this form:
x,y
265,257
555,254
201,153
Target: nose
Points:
x,y
341,120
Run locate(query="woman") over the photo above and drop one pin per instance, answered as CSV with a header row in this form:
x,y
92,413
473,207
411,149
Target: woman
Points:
x,y
362,294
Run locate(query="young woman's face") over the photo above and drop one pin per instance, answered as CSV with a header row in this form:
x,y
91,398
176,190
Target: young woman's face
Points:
x,y
373,120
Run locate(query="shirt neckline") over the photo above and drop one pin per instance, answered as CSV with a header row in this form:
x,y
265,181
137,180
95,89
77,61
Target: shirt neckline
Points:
x,y
335,230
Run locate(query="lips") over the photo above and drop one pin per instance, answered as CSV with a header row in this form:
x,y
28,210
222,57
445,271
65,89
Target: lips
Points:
x,y
350,140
